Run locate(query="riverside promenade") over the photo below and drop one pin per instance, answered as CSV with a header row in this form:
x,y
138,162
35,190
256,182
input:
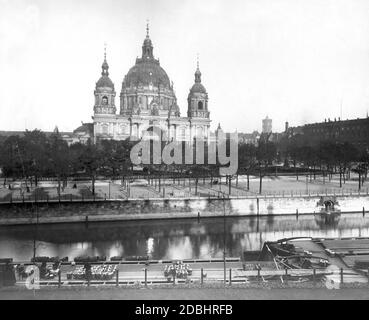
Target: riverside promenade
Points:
x,y
172,198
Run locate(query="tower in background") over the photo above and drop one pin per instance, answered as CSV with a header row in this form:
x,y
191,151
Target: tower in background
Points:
x,y
267,125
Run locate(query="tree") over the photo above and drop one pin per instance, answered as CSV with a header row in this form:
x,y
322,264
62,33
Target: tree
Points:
x,y
35,158
90,160
11,159
265,154
247,160
344,155
58,158
293,151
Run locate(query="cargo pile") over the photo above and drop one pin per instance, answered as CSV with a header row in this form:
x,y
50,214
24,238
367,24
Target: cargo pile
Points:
x,y
179,270
99,272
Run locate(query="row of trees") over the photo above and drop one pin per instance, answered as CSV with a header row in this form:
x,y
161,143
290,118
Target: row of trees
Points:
x,y
36,155
327,157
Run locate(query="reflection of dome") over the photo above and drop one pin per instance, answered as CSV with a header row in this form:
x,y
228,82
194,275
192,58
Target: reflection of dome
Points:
x,y
146,72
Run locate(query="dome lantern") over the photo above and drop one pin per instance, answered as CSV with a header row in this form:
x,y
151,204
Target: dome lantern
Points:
x,y
105,66
147,48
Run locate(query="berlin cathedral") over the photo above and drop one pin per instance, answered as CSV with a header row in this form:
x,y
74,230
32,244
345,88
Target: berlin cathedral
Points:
x,y
147,100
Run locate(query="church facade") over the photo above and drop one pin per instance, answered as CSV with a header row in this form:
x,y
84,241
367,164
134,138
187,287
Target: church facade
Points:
x,y
147,100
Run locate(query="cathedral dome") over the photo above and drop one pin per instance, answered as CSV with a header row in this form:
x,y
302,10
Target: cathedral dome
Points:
x,y
146,88
145,73
147,70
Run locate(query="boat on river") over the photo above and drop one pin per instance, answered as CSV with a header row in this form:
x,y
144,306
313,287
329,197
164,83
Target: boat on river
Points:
x,y
328,211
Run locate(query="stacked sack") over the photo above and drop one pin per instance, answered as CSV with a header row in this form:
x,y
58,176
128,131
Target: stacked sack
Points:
x,y
180,270
98,272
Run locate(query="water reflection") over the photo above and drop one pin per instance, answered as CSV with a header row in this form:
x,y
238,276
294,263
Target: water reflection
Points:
x,y
179,239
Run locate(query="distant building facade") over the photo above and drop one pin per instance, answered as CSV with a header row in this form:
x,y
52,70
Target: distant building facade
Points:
x,y
249,138
355,131
82,134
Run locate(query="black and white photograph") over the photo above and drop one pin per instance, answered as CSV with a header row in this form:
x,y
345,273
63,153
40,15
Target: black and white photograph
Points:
x,y
166,150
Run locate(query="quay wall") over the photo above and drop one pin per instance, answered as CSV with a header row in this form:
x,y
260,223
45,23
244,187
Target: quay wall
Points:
x,y
136,209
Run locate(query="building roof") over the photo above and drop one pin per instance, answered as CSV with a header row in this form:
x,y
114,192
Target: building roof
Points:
x,y
86,128
146,72
147,69
105,81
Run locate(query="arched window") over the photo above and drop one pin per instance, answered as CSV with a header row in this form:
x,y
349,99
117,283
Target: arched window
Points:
x,y
105,100
200,105
105,129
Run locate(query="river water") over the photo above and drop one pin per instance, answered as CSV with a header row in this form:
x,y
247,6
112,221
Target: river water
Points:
x,y
169,239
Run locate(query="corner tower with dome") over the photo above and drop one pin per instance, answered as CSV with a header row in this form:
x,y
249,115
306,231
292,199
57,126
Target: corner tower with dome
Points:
x,y
147,99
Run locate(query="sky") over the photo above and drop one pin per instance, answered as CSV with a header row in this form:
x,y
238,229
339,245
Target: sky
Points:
x,y
299,61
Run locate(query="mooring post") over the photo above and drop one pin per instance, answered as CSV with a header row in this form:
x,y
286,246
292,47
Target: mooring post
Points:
x,y
117,277
363,211
229,185
314,276
259,278
145,277
230,276
297,214
341,275
202,276
59,278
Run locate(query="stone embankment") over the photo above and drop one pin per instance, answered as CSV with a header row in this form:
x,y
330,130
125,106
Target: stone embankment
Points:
x,y
138,209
